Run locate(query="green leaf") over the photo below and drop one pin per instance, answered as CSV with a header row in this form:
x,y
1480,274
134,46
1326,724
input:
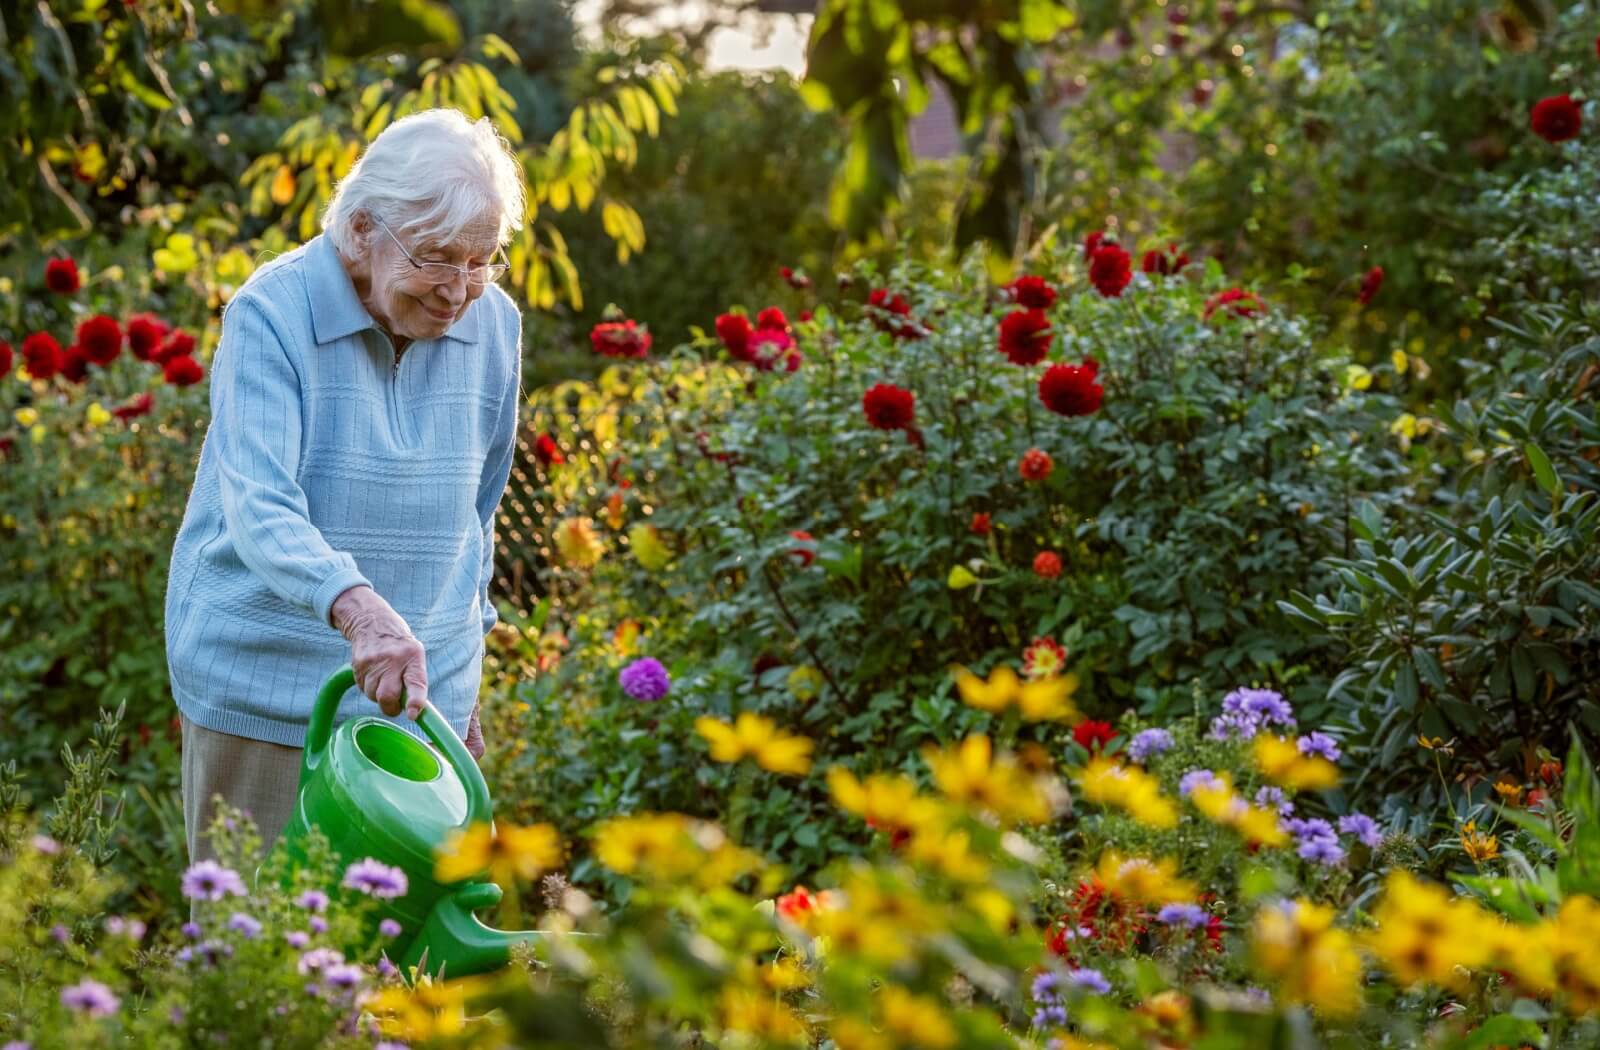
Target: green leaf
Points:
x,y
1543,471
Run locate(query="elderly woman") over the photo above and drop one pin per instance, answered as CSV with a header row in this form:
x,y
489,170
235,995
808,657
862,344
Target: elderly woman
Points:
x,y
364,415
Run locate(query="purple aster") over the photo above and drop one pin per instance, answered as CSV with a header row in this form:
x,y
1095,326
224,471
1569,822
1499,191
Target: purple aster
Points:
x,y
317,959
61,934
297,939
246,926
1321,851
210,881
1046,1016
132,929
312,900
190,930
1363,827
342,976
1089,980
1320,744
90,996
17,1044
389,928
1191,915
1148,743
1273,798
318,924
1196,778
387,968
375,878
1311,829
388,1045
1245,712
645,679
213,952
1046,987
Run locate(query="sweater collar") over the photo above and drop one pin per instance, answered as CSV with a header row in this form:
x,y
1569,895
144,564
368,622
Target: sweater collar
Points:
x,y
336,309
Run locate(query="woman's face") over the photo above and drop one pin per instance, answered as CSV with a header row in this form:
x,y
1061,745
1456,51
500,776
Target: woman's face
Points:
x,y
408,301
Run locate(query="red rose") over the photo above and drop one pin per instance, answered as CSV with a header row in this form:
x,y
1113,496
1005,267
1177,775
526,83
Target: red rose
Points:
x,y
806,553
1092,243
795,280
547,452
1110,270
42,354
182,370
74,365
1166,263
139,406
1370,283
1235,301
981,525
888,407
1034,293
1071,390
1025,336
61,276
772,319
898,323
5,358
101,339
1092,735
620,338
1036,465
1557,118
734,331
1047,565
178,344
145,332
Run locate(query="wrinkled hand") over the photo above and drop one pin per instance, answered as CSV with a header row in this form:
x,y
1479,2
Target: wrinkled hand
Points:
x,y
474,736
390,664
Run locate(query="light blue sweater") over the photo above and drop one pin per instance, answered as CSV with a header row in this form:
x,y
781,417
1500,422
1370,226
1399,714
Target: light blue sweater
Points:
x,y
326,465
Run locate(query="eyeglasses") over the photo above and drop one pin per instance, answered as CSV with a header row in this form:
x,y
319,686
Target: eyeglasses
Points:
x,y
443,272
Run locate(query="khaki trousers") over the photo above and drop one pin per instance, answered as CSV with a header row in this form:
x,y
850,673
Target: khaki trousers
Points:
x,y
259,778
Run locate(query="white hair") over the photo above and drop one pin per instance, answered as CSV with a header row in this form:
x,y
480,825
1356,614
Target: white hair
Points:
x,y
433,174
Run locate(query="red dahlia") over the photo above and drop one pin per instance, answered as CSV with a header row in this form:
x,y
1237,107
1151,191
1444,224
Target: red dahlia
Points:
x,y
101,339
1234,301
980,526
772,319
1036,465
182,370
138,406
620,338
1370,283
734,331
1092,735
1092,243
1110,270
892,314
1025,336
1034,293
61,276
796,280
806,553
888,407
42,354
145,332
1557,118
74,365
178,344
547,452
5,358
1166,263
1047,565
1072,390
771,347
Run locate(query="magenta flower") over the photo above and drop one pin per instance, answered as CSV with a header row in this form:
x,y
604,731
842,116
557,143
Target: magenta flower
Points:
x,y
376,879
91,997
645,679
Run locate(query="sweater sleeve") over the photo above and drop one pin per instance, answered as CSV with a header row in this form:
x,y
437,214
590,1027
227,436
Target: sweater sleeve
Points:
x,y
256,421
497,469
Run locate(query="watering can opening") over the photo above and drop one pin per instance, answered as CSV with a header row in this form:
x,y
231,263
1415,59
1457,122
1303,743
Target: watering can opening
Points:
x,y
397,753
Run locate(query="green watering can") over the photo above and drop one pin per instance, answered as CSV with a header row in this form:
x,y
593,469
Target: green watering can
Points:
x,y
376,791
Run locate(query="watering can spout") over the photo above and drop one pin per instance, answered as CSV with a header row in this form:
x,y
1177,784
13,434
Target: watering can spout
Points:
x,y
453,937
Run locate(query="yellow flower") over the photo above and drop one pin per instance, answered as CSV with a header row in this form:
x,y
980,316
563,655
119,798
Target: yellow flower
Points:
x,y
969,774
652,843
918,1020
1356,377
879,920
851,1034
429,1010
804,683
1143,879
1400,361
578,543
1310,961
995,908
649,551
1436,743
626,637
1218,803
1108,782
506,853
1573,940
887,801
1424,935
1281,762
1043,699
948,852
784,975
1510,792
752,736
1480,845
97,416
762,1015
960,578
1404,426
90,162
27,417
178,256
38,434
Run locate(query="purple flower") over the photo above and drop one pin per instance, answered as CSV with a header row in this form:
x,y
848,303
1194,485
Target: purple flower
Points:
x,y
297,939
318,924
375,878
1046,987
46,845
1191,915
18,1044
387,968
317,959
342,976
1245,712
1327,852
1321,744
246,926
1196,778
1273,798
61,934
210,881
1148,743
213,952
388,1045
1311,830
1363,827
389,928
645,679
132,929
90,996
312,900
190,930
1090,980
1046,1016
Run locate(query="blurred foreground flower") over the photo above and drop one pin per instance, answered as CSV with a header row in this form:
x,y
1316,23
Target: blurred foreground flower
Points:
x,y
752,736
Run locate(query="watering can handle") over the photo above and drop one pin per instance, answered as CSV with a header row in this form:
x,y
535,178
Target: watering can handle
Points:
x,y
320,731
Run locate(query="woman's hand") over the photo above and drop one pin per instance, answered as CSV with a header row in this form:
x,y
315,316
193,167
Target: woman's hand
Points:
x,y
389,662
